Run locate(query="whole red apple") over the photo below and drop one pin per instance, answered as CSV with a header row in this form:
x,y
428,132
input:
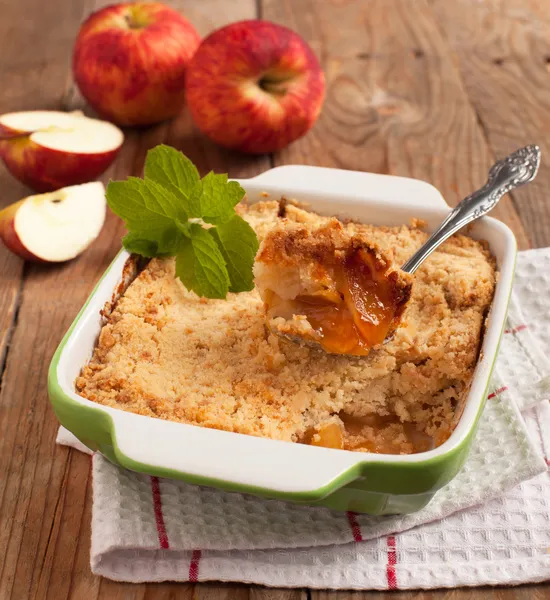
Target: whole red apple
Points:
x,y
130,60
254,86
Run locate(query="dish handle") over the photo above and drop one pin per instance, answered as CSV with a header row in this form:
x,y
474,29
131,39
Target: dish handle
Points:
x,y
304,179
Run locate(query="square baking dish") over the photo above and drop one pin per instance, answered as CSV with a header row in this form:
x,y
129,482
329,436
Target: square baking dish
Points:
x,y
339,479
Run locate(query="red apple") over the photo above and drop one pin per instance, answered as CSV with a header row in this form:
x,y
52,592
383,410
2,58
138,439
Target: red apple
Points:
x,y
54,227
48,150
130,60
254,86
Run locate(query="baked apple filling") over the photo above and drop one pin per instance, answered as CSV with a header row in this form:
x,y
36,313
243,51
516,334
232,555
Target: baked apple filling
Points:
x,y
321,285
371,433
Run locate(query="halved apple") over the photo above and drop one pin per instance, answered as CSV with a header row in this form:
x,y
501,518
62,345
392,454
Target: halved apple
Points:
x,y
56,226
48,150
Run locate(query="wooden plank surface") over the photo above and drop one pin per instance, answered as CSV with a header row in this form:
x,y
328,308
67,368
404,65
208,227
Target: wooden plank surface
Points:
x,y
503,52
395,103
26,76
412,91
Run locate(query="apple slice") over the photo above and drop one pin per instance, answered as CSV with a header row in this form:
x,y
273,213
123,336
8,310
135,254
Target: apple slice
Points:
x,y
57,226
374,295
48,150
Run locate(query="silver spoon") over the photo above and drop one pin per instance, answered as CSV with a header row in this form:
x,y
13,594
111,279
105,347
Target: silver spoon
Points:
x,y
507,174
517,169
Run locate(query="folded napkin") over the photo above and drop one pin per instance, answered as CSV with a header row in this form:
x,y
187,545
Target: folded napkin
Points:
x,y
490,525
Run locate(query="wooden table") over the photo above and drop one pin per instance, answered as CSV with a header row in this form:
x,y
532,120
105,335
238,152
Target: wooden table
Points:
x,y
433,89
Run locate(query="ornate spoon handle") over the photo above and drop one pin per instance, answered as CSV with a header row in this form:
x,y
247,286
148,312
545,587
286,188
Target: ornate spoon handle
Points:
x,y
517,169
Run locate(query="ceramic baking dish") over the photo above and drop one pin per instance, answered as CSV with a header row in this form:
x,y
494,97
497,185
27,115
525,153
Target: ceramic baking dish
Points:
x,y
370,483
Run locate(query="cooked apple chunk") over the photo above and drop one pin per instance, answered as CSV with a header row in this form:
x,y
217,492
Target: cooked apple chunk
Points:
x,y
322,285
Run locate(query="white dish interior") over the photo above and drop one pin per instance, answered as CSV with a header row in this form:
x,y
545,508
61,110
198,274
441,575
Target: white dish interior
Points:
x,y
276,465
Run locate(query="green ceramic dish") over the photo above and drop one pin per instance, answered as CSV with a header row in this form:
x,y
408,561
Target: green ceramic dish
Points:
x,y
342,480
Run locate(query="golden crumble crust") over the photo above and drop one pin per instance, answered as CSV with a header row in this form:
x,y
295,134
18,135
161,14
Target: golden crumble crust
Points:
x,y
166,353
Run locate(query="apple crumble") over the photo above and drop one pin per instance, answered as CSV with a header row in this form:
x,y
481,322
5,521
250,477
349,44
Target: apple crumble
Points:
x,y
323,286
166,353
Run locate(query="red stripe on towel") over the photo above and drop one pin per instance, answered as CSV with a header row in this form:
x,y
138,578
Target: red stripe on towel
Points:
x,y
516,329
497,392
392,561
355,527
194,566
159,517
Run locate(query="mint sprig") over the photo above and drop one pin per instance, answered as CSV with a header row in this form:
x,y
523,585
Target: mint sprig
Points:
x,y
173,212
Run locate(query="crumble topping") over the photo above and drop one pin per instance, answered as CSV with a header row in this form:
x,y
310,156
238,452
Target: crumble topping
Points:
x,y
166,353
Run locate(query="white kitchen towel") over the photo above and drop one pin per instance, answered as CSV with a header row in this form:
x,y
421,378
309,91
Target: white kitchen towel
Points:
x,y
150,529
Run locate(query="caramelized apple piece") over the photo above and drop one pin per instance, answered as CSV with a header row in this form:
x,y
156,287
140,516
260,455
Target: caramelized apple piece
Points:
x,y
370,296
370,433
323,285
332,325
376,433
329,436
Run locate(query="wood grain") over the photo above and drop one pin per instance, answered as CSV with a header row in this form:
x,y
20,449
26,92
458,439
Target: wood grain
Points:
x,y
503,52
397,102
257,593
25,76
15,62
528,592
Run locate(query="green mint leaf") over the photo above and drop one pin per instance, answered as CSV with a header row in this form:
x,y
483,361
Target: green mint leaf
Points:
x,y
200,264
213,199
167,244
186,228
238,244
148,210
136,245
138,200
210,260
172,170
